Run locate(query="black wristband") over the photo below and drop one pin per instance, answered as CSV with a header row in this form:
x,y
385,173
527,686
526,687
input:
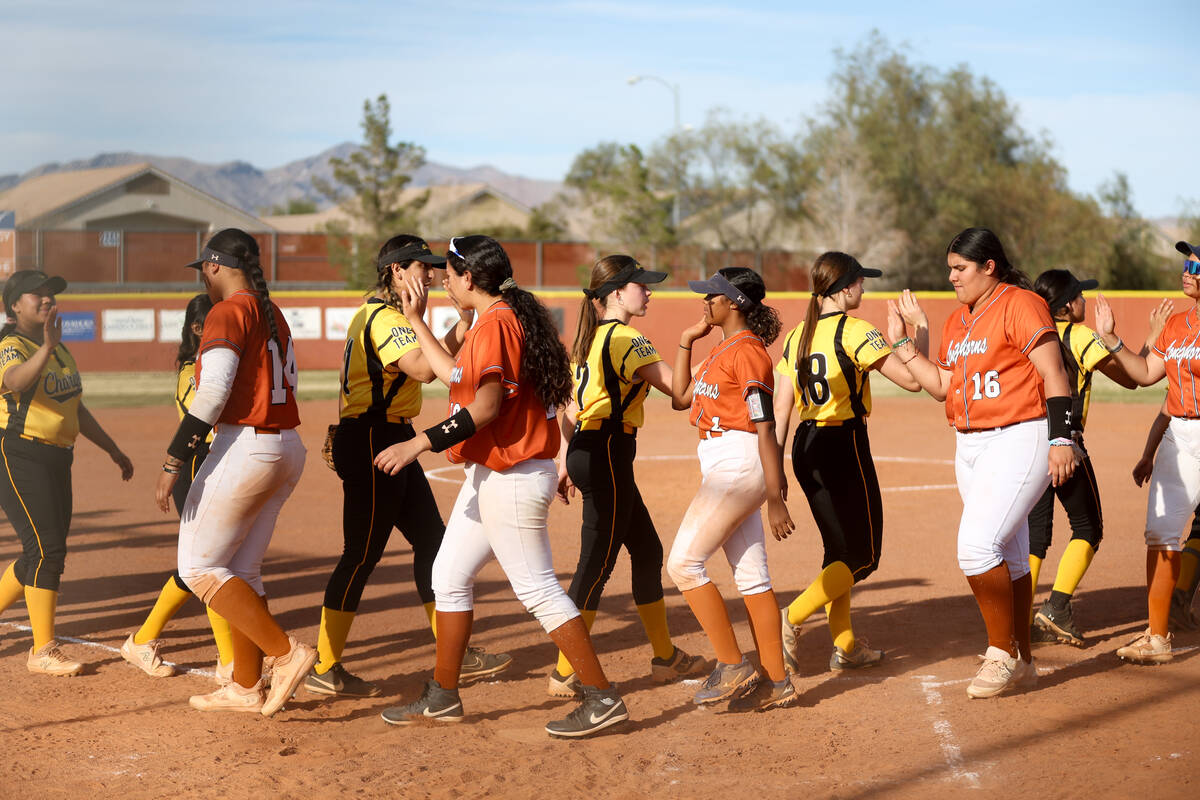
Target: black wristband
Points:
x,y
457,428
759,406
189,437
1058,417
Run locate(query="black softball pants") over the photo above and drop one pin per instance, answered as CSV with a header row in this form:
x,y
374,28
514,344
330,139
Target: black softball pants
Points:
x,y
179,493
834,467
35,493
1081,499
372,504
600,464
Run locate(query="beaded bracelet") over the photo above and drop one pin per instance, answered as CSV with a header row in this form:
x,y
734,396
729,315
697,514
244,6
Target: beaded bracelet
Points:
x,y
901,342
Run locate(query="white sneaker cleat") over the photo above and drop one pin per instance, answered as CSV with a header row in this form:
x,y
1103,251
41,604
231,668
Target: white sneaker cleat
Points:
x,y
146,658
287,673
230,697
51,660
995,676
1148,648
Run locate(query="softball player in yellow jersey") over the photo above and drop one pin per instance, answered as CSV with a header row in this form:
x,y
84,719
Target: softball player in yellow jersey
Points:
x,y
382,372
614,366
1082,354
41,414
827,360
142,647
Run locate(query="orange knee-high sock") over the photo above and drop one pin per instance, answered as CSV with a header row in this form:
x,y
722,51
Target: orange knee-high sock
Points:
x,y
763,610
993,593
1022,607
564,667
453,633
709,609
245,610
247,659
11,589
1162,572
575,643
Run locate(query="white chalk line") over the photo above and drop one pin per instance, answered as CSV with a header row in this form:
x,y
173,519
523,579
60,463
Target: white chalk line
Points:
x,y
943,731
108,648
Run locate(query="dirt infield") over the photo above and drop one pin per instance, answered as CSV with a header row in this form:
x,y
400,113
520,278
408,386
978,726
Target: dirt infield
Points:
x,y
1095,727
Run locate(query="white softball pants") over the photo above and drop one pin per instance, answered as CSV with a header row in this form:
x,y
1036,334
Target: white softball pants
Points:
x,y
503,514
1174,485
1001,474
725,514
230,513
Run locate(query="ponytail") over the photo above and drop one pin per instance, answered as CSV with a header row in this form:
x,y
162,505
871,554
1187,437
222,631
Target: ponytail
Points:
x,y
604,270
544,363
762,320
804,346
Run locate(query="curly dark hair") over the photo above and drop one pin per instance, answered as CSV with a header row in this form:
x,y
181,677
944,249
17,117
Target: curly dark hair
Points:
x,y
189,342
763,320
544,361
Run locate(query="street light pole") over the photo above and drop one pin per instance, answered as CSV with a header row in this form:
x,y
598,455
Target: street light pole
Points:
x,y
674,89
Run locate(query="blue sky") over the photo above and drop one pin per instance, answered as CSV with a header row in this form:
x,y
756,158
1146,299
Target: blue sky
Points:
x,y
525,86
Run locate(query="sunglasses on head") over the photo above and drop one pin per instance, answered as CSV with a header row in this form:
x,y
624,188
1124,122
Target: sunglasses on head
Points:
x,y
454,249
1191,267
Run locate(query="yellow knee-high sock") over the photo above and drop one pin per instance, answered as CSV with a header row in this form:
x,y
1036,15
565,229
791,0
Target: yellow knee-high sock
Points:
x,y
169,601
11,589
431,612
834,581
331,639
41,604
1035,569
1188,567
222,635
838,612
1071,567
564,664
654,620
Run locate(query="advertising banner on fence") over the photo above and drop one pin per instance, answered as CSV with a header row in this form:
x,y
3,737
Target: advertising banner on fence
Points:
x,y
305,322
337,322
170,324
127,325
78,326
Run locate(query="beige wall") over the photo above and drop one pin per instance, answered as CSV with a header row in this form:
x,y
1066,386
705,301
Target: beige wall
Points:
x,y
178,207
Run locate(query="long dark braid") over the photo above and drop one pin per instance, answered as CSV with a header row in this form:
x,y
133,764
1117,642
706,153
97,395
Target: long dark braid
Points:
x,y
544,363
244,248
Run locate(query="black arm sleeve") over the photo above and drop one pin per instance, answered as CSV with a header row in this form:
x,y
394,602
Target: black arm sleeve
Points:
x,y
190,435
759,404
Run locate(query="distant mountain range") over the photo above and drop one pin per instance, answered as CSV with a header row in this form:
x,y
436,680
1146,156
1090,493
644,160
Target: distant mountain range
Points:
x,y
255,190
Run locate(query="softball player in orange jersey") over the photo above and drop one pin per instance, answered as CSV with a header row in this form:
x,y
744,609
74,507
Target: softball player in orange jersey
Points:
x,y
142,647
382,372
1001,376
507,382
246,384
826,365
1175,480
740,467
615,366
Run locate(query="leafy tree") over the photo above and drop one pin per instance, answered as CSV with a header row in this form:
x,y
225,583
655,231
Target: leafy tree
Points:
x,y
743,181
369,186
612,182
1132,262
546,223
947,151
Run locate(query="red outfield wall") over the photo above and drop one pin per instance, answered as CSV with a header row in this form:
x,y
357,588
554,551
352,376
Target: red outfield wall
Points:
x,y
140,332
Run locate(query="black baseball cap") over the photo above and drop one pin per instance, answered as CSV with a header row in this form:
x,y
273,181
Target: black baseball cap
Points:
x,y
413,251
30,280
1072,290
719,284
633,273
218,246
1188,249
851,275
